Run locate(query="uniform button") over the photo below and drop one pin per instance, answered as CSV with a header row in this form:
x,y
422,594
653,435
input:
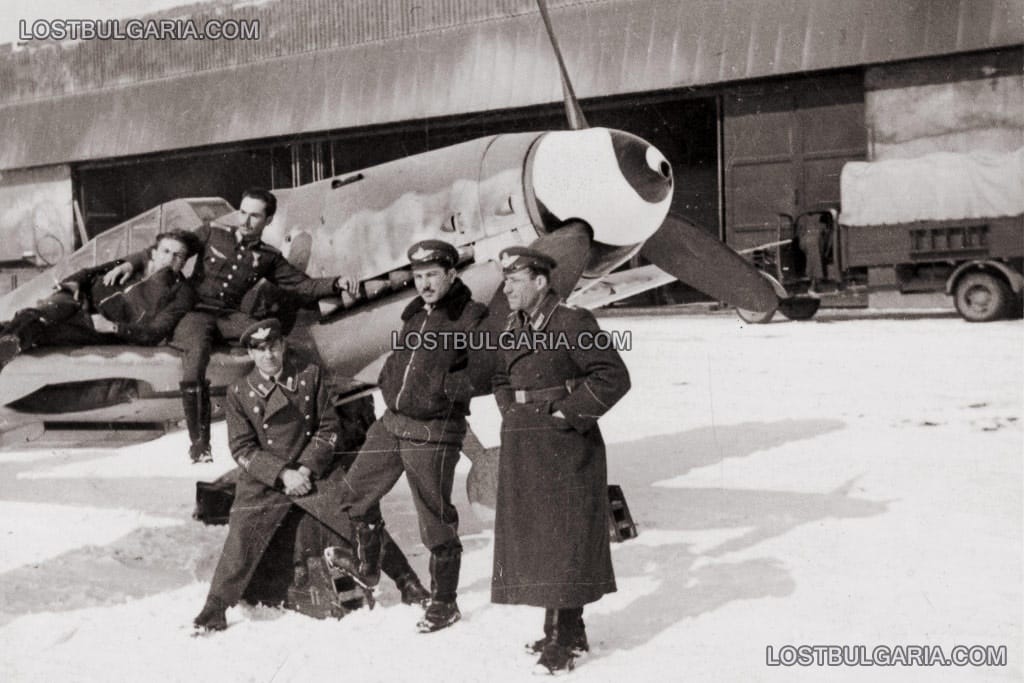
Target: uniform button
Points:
x,y
226,284
213,260
256,409
270,441
309,417
229,277
252,393
309,433
303,382
265,425
234,267
239,257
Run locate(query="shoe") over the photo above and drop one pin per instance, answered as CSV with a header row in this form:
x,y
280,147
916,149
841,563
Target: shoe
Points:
x,y
439,615
10,346
555,660
200,453
413,592
213,617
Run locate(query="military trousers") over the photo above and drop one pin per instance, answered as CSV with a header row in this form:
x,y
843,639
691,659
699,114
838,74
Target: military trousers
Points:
x,y
430,470
196,334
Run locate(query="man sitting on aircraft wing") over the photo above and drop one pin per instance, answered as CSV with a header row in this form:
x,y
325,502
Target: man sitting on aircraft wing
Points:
x,y
230,263
86,310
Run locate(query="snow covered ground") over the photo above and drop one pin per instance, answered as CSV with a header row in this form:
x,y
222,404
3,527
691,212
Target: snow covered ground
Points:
x,y
854,480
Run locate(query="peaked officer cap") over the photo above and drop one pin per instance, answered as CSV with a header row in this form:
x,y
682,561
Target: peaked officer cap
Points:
x,y
264,331
433,251
517,258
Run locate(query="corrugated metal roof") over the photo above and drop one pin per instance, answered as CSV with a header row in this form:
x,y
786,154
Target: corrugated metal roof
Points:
x,y
611,47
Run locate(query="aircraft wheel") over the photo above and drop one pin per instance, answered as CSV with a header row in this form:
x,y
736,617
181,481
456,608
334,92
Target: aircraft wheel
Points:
x,y
755,317
799,308
982,297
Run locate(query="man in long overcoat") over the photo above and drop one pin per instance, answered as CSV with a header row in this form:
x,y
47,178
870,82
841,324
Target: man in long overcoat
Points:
x,y
551,542
282,431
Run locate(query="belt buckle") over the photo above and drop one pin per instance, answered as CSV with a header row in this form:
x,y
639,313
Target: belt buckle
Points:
x,y
520,396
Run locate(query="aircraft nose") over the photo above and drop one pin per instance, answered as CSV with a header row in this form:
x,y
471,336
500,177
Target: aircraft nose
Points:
x,y
617,183
643,166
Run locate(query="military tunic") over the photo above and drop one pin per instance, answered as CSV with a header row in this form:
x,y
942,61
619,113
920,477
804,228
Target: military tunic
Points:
x,y
145,309
226,269
551,544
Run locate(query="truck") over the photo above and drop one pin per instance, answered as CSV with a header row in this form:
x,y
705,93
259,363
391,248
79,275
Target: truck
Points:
x,y
944,222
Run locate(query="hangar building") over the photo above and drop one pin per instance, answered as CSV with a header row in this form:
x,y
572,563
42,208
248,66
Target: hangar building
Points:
x,y
757,103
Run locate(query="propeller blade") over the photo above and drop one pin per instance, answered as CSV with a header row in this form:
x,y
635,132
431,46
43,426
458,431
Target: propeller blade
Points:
x,y
689,253
570,247
573,112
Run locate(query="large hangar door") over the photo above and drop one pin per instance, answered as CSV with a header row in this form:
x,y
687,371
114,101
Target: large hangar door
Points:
x,y
784,145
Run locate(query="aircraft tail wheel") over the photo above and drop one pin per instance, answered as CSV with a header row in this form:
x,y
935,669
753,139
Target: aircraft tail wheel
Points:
x,y
799,308
755,317
762,317
982,297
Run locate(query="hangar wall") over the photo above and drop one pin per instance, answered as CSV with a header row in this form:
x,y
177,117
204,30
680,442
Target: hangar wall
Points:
x,y
36,220
959,103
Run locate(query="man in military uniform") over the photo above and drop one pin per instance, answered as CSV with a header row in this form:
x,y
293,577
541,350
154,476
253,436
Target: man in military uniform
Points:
x,y
282,430
84,310
230,263
551,545
427,387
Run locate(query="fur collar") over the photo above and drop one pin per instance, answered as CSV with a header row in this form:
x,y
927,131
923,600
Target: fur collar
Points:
x,y
454,302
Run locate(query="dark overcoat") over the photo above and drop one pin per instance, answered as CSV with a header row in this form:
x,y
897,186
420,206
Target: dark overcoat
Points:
x,y
270,427
551,543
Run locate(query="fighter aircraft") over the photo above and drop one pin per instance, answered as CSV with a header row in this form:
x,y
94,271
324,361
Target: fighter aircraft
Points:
x,y
591,197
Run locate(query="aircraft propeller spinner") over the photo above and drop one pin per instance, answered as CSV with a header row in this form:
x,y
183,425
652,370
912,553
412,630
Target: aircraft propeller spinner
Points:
x,y
678,247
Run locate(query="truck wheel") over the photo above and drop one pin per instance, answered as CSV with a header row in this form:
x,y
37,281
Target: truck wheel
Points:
x,y
755,317
799,308
981,297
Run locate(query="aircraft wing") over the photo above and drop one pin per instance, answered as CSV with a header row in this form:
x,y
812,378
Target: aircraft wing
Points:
x,y
620,285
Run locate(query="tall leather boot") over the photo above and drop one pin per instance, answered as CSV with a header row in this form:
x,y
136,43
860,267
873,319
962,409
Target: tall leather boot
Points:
x,y
537,646
195,399
368,549
558,656
19,334
443,611
395,565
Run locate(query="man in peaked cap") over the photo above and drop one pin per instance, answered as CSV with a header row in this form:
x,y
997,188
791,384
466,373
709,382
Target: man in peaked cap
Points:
x,y
551,545
282,431
427,392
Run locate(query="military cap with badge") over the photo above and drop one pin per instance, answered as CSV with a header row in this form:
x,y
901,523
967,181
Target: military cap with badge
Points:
x,y
263,332
430,252
518,258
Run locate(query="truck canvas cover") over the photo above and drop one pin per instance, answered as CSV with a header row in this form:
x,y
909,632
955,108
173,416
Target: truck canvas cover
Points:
x,y
935,187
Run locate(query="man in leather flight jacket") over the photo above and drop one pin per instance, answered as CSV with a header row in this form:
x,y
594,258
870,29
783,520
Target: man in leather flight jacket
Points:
x,y
427,388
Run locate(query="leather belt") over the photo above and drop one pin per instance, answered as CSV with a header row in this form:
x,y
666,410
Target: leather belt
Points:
x,y
546,394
